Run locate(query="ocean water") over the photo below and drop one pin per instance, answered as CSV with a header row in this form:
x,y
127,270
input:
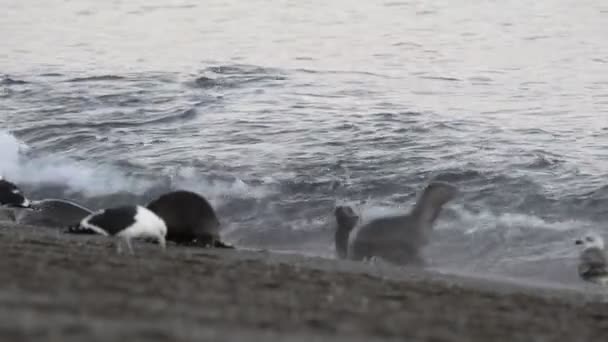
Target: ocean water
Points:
x,y
279,110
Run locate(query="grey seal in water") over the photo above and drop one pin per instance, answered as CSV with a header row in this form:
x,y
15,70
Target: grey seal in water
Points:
x,y
398,239
126,223
189,217
593,263
11,195
52,212
346,220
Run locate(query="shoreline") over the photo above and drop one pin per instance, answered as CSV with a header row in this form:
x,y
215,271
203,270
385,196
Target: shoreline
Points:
x,y
63,287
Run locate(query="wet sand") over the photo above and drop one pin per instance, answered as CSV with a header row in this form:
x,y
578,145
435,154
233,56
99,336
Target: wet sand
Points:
x,y
58,287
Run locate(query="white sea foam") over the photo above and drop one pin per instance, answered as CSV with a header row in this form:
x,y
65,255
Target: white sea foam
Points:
x,y
103,179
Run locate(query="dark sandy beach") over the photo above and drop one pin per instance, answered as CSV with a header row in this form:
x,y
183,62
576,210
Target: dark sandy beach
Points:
x,y
56,287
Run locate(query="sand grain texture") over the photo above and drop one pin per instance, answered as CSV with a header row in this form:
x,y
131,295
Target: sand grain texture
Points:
x,y
57,287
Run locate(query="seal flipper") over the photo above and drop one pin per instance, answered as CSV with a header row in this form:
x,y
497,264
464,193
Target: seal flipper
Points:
x,y
220,244
210,241
78,229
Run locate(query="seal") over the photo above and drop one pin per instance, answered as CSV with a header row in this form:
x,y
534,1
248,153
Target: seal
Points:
x,y
398,239
593,263
11,195
346,220
126,223
189,218
52,212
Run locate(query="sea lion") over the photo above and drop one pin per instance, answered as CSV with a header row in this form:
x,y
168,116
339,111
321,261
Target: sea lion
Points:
x,y
593,263
398,239
126,223
52,212
346,220
189,217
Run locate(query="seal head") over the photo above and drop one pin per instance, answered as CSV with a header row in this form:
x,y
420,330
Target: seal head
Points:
x,y
346,220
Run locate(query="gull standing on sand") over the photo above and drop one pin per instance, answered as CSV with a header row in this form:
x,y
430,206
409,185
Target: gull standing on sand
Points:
x,y
125,223
593,263
398,239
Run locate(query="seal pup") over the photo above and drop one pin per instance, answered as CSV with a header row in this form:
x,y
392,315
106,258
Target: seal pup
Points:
x,y
52,212
11,195
593,263
398,239
346,220
189,218
126,223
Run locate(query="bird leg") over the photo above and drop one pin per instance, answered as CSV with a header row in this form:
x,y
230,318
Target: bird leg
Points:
x,y
163,243
128,242
119,246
